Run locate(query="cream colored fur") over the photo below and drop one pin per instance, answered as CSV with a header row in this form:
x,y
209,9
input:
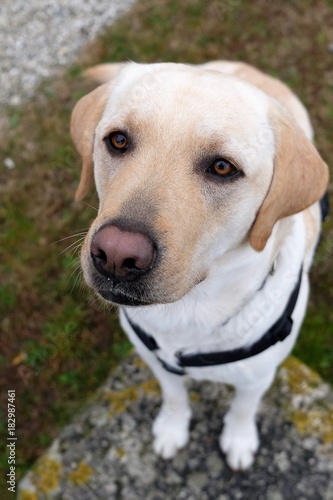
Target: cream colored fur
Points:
x,y
220,240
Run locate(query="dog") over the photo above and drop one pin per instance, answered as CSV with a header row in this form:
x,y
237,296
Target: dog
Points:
x,y
209,187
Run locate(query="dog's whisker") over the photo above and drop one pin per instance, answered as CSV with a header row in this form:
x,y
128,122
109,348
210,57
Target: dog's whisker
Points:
x,y
82,233
73,247
77,280
76,271
89,205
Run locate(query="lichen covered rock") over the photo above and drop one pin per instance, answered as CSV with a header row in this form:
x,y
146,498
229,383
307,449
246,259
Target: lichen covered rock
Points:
x,y
106,452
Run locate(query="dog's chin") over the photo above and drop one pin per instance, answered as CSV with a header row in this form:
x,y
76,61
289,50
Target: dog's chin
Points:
x,y
121,299
134,296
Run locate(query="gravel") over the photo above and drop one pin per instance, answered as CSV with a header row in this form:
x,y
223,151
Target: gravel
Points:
x,y
37,37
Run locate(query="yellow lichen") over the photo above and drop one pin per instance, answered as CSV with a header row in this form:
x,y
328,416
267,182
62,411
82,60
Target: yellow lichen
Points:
x,y
139,363
151,387
194,397
120,400
28,495
315,422
47,474
120,452
300,378
315,415
81,475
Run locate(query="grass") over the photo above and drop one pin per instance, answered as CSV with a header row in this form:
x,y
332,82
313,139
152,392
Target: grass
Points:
x,y
58,343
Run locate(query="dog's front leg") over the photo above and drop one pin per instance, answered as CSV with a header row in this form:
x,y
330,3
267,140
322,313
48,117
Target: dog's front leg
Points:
x,y
239,439
171,426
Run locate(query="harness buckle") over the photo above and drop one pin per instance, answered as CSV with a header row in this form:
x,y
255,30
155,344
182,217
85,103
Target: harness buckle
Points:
x,y
177,370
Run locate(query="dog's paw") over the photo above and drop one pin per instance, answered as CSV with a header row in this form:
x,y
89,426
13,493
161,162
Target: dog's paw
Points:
x,y
171,431
239,441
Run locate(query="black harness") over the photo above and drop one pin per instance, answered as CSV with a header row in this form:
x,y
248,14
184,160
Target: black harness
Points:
x,y
277,333
324,207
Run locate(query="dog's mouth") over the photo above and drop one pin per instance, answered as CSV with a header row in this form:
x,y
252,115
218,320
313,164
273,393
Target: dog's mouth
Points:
x,y
121,298
129,294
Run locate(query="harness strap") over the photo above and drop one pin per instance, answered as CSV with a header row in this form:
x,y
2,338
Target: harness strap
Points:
x,y
324,206
146,339
277,333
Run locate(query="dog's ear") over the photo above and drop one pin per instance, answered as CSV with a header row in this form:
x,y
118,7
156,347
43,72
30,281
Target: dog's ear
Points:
x,y
103,73
299,179
85,117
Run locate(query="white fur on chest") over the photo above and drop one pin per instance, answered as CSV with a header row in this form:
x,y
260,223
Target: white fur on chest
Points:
x,y
237,303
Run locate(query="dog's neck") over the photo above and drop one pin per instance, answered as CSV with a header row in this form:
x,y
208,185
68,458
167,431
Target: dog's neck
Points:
x,y
225,299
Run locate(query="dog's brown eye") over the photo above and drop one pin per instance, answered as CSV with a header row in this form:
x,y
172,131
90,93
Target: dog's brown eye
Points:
x,y
223,168
117,142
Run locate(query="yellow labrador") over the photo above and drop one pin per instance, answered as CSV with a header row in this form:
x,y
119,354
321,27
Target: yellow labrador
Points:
x,y
209,185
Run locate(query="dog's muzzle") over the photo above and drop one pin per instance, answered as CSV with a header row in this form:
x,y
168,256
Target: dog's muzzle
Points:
x,y
121,259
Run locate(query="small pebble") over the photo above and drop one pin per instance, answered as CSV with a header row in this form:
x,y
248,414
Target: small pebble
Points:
x,y
9,163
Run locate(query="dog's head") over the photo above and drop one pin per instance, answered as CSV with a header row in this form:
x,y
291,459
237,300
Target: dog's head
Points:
x,y
188,163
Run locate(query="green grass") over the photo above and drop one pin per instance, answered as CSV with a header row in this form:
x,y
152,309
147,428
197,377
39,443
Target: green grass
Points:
x,y
59,342
315,344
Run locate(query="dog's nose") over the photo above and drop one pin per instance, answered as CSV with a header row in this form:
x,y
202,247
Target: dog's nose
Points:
x,y
123,255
